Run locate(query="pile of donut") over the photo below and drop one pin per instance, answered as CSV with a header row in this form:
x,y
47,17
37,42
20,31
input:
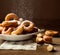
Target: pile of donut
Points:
x,y
47,37
16,26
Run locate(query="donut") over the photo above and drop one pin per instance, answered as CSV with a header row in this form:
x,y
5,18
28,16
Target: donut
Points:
x,y
18,30
47,39
1,28
50,48
39,40
28,25
7,30
40,35
51,32
11,16
9,23
0,24
34,30
14,28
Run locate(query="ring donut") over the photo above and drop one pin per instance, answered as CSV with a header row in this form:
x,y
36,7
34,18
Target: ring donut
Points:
x,y
7,30
11,16
51,32
1,28
18,30
1,24
9,23
28,25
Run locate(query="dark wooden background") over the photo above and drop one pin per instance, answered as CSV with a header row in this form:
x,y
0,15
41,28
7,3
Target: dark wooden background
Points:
x,y
44,13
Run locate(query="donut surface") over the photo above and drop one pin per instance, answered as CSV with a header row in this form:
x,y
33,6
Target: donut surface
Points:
x,y
0,24
11,16
51,32
7,30
18,30
9,23
28,25
1,28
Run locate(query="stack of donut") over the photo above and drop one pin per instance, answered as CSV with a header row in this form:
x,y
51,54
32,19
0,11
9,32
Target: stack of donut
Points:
x,y
15,26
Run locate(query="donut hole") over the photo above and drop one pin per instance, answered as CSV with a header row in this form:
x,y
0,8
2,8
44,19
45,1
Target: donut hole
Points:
x,y
11,18
6,29
26,24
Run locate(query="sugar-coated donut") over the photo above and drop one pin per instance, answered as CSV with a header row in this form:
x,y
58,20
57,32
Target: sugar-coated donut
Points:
x,y
11,16
28,25
18,30
7,30
9,23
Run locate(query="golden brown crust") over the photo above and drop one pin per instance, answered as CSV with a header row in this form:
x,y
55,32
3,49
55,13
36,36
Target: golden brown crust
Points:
x,y
11,16
50,48
28,25
7,30
40,35
39,40
1,24
9,23
51,32
47,39
1,28
18,30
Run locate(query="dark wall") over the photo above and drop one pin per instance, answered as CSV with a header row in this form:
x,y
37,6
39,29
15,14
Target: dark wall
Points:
x,y
45,13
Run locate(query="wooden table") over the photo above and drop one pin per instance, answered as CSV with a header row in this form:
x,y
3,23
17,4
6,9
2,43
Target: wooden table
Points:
x,y
41,50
